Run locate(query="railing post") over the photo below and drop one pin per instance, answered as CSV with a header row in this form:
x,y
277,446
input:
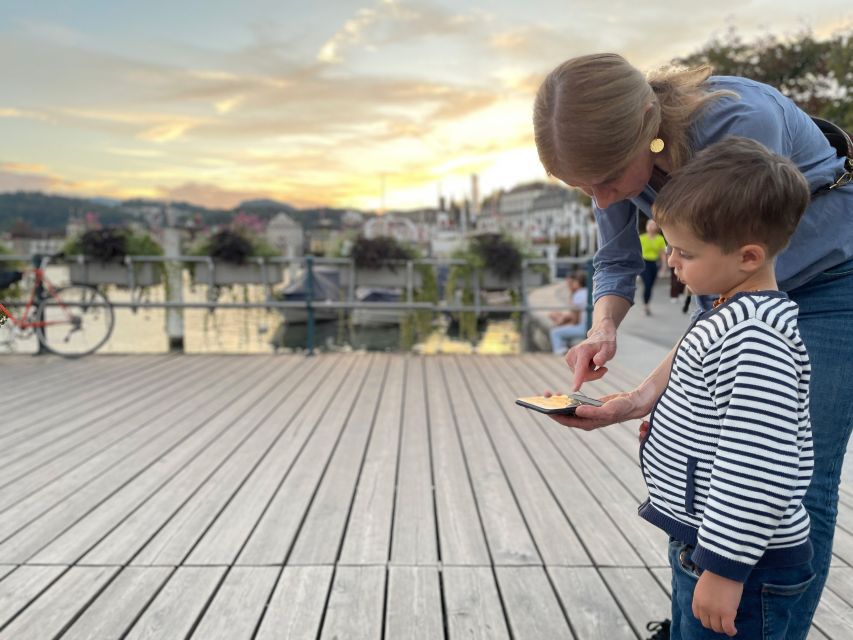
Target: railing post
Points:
x,y
309,302
525,315
38,297
590,271
174,285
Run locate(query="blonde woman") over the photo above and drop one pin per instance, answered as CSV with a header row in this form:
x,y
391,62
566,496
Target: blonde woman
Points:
x,y
603,126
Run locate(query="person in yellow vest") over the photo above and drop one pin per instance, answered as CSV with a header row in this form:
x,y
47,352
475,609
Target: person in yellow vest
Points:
x,y
654,257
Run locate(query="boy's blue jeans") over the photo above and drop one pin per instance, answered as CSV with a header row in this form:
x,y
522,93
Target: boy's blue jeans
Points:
x,y
770,597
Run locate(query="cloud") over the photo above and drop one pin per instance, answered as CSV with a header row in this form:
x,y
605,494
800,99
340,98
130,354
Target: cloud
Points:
x,y
25,177
394,21
135,153
18,113
166,132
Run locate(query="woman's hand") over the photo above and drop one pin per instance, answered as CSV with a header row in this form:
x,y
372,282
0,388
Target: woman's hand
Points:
x,y
617,407
587,359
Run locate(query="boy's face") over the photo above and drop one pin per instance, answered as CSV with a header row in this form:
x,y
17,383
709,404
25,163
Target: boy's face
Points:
x,y
701,266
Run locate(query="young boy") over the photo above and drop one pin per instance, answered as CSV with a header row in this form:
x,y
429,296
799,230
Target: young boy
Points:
x,y
727,457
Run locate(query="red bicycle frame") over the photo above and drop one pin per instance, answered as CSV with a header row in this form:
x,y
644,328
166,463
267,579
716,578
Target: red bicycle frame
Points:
x,y
22,321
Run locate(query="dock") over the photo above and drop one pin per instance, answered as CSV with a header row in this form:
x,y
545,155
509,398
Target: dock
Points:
x,y
361,495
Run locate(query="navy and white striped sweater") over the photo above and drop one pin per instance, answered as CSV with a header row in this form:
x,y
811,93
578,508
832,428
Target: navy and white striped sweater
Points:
x,y
728,456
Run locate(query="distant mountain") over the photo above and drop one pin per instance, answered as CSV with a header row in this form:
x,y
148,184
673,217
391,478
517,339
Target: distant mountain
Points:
x,y
107,202
265,203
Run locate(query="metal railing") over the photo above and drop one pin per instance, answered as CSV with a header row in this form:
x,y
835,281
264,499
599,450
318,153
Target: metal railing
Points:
x,y
311,304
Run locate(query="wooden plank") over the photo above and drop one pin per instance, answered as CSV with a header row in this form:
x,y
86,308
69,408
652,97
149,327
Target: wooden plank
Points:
x,y
355,604
415,536
414,604
114,611
75,395
5,570
817,634
298,604
842,545
840,581
214,437
367,539
834,616
531,605
238,604
592,610
639,595
67,432
38,491
555,539
57,374
20,587
176,539
599,474
586,515
254,504
461,539
249,439
320,537
46,457
474,610
509,539
178,444
178,604
31,373
664,577
55,609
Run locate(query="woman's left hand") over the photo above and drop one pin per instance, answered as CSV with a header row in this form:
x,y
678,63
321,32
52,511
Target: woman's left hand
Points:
x,y
617,407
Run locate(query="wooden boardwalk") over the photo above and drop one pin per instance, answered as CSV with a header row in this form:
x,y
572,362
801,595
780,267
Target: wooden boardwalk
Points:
x,y
342,496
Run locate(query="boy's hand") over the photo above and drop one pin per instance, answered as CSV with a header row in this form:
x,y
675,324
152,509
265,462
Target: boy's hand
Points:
x,y
715,602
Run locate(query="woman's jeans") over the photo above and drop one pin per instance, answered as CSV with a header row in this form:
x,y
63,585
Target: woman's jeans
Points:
x,y
826,326
767,607
649,275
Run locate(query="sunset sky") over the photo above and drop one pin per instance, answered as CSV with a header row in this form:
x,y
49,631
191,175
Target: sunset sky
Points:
x,y
313,103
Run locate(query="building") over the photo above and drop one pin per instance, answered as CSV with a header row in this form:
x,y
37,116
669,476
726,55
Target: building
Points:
x,y
286,234
539,212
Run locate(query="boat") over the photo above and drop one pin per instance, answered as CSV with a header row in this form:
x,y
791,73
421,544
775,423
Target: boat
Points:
x,y
364,316
327,291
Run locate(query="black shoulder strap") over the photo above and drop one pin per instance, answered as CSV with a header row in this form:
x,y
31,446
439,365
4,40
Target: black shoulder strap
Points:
x,y
838,137
841,142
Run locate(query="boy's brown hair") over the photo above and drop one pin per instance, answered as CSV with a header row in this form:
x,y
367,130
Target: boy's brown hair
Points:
x,y
733,193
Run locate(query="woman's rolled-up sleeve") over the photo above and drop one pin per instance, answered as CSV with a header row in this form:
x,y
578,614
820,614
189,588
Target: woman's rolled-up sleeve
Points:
x,y
619,259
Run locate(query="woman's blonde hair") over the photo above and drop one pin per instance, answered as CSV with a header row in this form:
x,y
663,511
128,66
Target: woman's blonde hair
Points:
x,y
593,113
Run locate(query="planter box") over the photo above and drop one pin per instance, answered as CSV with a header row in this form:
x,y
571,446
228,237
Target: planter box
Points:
x,y
225,273
492,281
385,277
145,274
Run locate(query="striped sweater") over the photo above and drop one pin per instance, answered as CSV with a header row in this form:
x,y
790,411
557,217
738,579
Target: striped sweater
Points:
x,y
728,456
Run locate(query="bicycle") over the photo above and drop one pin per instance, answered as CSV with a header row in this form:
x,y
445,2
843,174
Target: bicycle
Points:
x,y
70,321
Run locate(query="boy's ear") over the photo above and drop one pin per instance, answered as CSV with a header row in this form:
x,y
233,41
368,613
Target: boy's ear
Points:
x,y
752,257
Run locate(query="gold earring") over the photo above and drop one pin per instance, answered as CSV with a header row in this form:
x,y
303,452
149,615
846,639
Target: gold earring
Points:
x,y
656,145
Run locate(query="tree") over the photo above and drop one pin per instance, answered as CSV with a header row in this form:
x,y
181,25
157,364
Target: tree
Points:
x,y
816,74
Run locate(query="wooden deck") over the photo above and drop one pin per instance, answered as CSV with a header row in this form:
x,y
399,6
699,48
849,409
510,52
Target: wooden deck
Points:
x,y
342,496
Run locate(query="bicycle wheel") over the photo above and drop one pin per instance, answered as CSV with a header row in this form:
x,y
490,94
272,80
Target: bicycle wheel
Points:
x,y
78,320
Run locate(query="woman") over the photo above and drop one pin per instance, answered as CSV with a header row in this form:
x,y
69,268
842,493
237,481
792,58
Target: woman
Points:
x,y
654,259
602,126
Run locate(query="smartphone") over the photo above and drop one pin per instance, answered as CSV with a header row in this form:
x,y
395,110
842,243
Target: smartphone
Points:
x,y
561,405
